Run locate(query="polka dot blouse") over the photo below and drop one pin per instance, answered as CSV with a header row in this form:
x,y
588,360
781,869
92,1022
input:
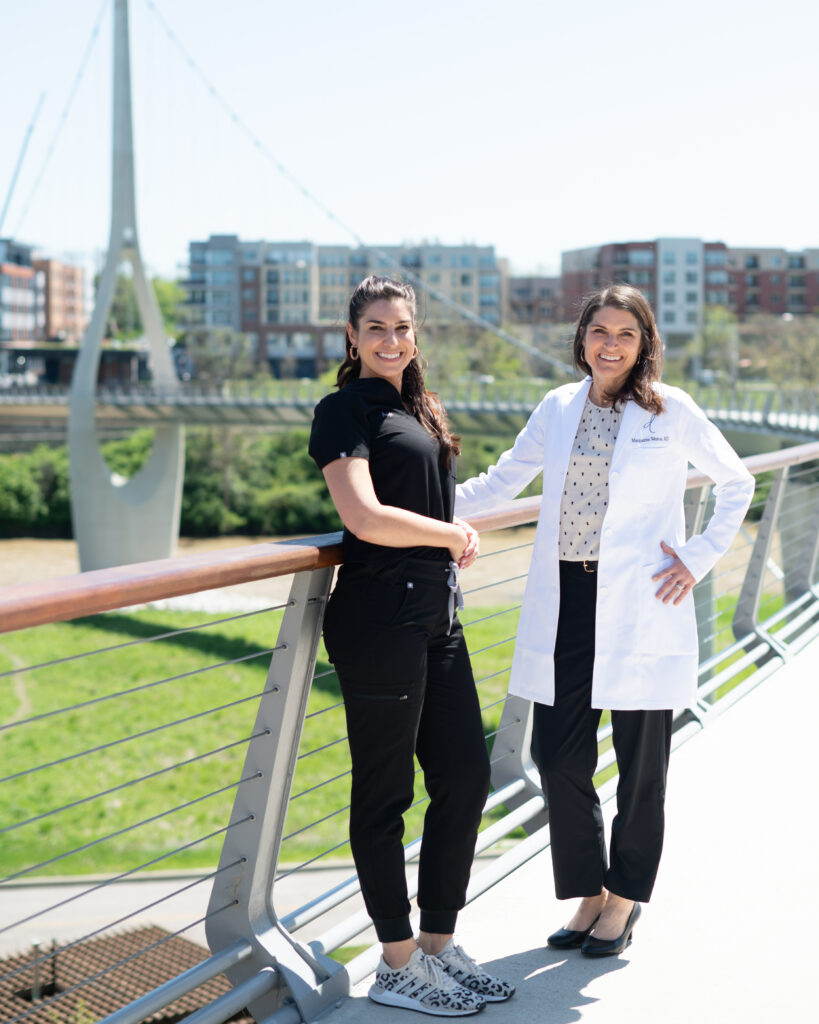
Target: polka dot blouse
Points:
x,y
586,491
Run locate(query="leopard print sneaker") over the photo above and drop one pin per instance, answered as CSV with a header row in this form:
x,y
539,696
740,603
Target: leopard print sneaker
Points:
x,y
423,985
460,966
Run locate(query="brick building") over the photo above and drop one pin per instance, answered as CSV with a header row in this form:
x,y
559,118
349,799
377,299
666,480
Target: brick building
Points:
x,y
64,287
681,276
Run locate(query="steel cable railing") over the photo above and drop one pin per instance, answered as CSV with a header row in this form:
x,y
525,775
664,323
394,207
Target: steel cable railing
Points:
x,y
297,746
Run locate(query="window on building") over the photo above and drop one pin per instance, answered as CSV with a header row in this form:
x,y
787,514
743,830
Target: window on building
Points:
x,y
641,257
776,261
691,277
222,277
669,298
219,257
751,262
692,258
248,274
796,280
669,316
796,263
751,280
669,277
466,279
669,257
692,297
716,277
715,257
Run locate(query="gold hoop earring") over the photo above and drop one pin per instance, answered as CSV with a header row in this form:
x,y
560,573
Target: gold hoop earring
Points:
x,y
353,352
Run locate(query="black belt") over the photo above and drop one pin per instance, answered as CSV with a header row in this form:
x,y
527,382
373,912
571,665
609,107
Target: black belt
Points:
x,y
589,564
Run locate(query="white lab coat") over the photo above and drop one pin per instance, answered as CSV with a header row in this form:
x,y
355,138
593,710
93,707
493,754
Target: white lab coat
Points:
x,y
646,652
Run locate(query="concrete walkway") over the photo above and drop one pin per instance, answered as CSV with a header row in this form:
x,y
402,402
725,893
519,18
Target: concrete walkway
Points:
x,y
731,934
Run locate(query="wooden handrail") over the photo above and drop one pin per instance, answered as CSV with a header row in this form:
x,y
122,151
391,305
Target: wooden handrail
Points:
x,y
765,462
104,590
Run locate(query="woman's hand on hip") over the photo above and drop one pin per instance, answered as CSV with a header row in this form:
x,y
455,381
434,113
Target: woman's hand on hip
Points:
x,y
470,552
677,581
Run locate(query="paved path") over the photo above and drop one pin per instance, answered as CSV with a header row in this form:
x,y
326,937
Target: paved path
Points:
x,y
730,936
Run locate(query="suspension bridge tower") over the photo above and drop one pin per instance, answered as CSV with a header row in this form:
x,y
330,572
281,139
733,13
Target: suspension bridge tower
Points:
x,y
120,521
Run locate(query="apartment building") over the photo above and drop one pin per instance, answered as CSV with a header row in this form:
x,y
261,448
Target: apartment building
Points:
x,y
773,281
535,300
290,298
681,276
22,294
64,289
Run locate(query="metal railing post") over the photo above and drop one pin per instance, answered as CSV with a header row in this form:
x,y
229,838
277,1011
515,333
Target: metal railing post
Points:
x,y
800,537
746,615
241,903
512,758
696,503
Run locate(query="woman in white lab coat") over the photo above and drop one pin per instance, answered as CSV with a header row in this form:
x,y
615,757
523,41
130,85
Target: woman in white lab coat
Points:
x,y
608,619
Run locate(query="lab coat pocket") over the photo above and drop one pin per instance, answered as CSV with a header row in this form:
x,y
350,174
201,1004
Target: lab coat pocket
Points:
x,y
663,628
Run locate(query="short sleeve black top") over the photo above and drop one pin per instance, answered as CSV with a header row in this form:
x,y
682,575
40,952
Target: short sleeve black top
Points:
x,y
367,419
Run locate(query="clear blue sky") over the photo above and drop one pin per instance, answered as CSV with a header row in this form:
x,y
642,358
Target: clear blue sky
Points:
x,y
532,126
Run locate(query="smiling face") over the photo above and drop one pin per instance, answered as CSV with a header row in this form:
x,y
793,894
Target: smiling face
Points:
x,y
611,346
385,338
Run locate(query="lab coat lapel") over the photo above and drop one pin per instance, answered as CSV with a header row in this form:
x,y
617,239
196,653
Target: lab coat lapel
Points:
x,y
571,421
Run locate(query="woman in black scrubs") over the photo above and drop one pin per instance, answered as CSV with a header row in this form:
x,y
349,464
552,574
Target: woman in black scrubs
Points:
x,y
387,454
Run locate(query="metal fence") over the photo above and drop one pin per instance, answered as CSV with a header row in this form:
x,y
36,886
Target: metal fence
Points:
x,y
203,756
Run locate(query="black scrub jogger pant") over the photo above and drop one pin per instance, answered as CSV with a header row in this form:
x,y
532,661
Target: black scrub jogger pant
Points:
x,y
564,748
408,689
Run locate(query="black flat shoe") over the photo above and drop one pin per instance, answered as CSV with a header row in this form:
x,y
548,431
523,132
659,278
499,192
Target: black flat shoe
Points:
x,y
611,947
568,938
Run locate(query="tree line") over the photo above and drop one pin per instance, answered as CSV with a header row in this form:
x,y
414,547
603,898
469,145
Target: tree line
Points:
x,y
236,482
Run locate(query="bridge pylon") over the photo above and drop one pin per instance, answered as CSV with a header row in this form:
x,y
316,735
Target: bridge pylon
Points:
x,y
120,521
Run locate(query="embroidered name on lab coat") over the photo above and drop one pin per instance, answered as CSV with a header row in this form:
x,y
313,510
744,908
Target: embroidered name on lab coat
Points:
x,y
648,434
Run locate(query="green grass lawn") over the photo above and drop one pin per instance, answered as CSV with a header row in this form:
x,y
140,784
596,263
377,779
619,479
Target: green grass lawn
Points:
x,y
165,786
213,713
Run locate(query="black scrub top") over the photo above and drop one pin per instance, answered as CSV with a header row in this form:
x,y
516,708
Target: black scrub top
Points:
x,y
367,419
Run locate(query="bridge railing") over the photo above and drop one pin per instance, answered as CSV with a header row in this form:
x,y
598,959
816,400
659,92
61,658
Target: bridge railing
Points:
x,y
748,399
142,742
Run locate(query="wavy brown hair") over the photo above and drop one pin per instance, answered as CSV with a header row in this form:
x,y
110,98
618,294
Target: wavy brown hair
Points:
x,y
425,405
638,386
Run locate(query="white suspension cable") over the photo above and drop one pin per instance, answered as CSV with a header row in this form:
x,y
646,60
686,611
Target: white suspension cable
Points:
x,y
258,144
63,117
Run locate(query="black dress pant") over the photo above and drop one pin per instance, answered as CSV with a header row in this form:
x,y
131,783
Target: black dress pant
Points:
x,y
408,690
564,748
